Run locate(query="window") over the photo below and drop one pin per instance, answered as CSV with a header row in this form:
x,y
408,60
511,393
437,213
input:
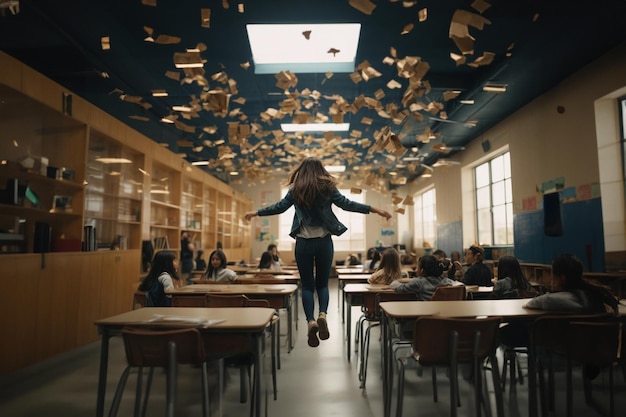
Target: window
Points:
x,y
494,201
425,218
353,240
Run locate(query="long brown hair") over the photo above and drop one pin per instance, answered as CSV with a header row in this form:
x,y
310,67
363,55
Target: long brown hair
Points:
x,y
310,183
390,263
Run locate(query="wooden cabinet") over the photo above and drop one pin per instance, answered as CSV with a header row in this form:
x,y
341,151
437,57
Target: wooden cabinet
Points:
x,y
191,210
61,173
165,195
114,193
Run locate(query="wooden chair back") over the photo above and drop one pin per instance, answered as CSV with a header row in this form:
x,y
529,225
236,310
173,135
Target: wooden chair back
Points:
x,y
434,339
139,299
234,300
196,300
449,293
150,348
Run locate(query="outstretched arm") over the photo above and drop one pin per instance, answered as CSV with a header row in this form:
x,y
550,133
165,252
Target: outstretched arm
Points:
x,y
380,212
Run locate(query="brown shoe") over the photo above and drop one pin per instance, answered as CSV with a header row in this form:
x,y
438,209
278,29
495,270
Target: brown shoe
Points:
x,y
313,329
323,326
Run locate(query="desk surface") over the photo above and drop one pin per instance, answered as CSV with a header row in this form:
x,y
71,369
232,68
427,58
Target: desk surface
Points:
x,y
222,318
235,289
363,288
348,277
356,270
465,308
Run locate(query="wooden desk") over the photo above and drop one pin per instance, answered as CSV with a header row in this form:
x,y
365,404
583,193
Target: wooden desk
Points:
x,y
344,279
279,296
244,325
354,270
616,281
410,310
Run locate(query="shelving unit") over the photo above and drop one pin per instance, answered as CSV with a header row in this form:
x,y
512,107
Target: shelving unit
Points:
x,y
114,193
165,197
58,157
191,210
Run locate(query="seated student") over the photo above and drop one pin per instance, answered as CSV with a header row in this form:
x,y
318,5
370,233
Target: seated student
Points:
x,y
162,277
570,293
477,273
267,262
217,270
273,249
456,268
429,271
389,269
368,259
442,258
352,260
200,263
511,282
375,261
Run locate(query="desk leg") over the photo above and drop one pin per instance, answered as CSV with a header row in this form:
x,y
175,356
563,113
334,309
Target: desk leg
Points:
x,y
296,304
349,324
289,324
260,388
532,380
386,352
102,376
220,386
343,301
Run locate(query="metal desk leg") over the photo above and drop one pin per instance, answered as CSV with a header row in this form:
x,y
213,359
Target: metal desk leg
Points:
x,y
102,376
349,325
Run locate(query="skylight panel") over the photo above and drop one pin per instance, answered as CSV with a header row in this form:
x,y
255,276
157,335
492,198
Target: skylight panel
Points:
x,y
303,48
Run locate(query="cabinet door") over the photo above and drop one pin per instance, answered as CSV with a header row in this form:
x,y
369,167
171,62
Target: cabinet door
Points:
x,y
18,311
57,304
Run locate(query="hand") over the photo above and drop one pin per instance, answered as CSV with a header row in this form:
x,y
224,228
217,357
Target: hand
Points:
x,y
249,215
382,213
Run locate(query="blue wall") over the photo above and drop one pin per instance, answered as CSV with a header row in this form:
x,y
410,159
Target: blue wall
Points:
x,y
450,238
583,235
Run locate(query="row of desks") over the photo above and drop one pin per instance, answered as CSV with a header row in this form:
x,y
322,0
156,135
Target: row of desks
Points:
x,y
243,326
233,329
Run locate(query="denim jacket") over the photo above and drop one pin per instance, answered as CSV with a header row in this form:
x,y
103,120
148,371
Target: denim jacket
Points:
x,y
321,214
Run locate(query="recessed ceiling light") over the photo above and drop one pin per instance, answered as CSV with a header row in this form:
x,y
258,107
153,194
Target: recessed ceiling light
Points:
x,y
466,101
181,108
315,127
304,48
114,160
495,87
335,168
159,93
200,163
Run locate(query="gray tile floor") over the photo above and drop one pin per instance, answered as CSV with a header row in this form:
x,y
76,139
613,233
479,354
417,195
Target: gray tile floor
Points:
x,y
311,383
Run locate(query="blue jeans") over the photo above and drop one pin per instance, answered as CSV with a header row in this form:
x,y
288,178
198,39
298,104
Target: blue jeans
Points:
x,y
314,258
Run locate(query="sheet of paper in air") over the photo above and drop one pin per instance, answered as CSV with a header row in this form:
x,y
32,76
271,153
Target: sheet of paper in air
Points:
x,y
364,6
160,318
480,6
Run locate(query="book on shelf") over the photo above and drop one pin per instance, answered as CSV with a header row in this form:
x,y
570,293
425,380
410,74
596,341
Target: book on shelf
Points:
x,y
89,244
160,242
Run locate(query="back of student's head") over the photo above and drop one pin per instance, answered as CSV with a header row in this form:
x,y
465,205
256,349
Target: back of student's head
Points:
x,y
439,254
569,266
431,266
271,247
389,260
266,260
508,266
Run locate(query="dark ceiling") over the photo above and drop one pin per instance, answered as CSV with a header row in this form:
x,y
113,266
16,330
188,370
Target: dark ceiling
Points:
x,y
529,45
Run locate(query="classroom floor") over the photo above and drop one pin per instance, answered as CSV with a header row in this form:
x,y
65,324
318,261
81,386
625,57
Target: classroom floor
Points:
x,y
312,382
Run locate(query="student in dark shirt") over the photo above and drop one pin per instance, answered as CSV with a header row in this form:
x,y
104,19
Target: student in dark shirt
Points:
x,y
478,273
